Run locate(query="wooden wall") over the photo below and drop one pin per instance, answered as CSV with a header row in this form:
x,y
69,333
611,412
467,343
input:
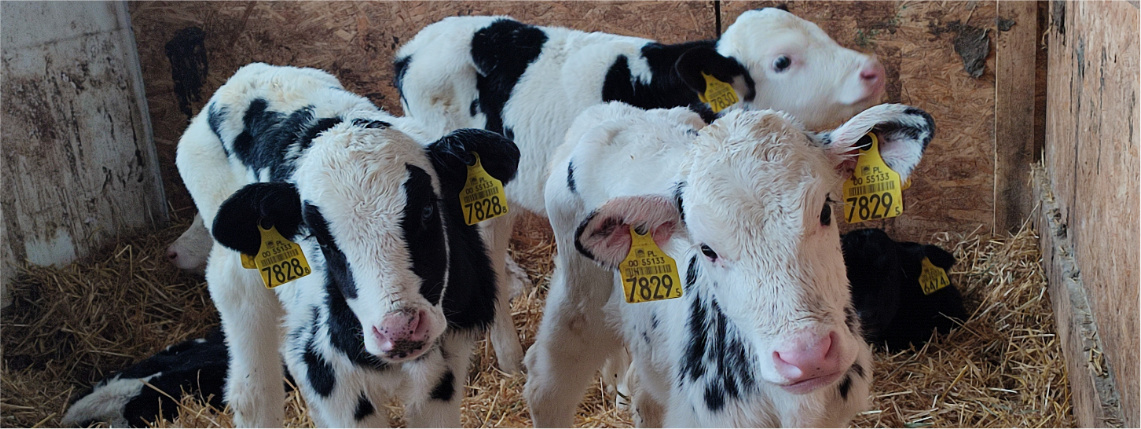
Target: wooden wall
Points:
x,y
954,187
1089,191
79,166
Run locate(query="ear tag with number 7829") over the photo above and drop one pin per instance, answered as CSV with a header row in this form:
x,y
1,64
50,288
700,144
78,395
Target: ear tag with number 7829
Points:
x,y
648,274
482,196
718,95
278,260
874,191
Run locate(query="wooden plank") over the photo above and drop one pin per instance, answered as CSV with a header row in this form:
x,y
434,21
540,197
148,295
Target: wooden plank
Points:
x,y
1092,160
953,188
78,159
1014,145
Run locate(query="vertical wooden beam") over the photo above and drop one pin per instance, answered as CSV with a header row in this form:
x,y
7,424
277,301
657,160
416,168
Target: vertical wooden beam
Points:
x,y
1015,147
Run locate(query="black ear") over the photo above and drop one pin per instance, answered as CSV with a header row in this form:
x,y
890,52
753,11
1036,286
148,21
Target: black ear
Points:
x,y
452,154
693,62
941,258
272,204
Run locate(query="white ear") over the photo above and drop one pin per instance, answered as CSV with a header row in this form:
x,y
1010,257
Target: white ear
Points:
x,y
904,132
604,235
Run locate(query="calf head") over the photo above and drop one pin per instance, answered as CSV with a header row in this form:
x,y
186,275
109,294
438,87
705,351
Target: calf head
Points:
x,y
190,250
751,226
797,68
377,205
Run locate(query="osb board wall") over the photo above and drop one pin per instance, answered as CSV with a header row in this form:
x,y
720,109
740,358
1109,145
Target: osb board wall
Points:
x,y
953,188
356,41
1091,159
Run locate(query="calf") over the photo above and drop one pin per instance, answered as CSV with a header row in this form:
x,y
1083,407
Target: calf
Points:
x,y
190,250
764,333
886,290
400,287
150,390
529,82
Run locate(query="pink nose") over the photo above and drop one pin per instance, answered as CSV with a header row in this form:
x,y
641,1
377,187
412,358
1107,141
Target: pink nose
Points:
x,y
873,76
402,332
807,357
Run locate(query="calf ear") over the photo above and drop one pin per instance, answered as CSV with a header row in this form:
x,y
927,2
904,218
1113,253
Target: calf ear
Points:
x,y
452,154
270,204
604,235
941,258
904,133
693,62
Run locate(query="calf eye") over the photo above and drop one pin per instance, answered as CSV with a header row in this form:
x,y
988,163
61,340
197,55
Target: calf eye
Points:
x,y
826,215
708,252
782,63
426,214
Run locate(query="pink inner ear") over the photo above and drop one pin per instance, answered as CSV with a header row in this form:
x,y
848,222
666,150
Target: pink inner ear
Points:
x,y
607,236
662,234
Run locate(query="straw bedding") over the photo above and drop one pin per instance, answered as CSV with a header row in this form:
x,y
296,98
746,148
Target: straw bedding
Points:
x,y
71,326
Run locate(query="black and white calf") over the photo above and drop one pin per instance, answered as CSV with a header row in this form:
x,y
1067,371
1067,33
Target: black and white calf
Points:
x,y
887,293
400,288
764,334
149,390
529,82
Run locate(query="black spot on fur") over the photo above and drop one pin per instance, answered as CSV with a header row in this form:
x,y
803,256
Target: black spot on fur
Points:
x,y
366,123
501,52
570,177
714,397
423,233
318,371
364,408
691,273
445,389
400,67
678,189
474,108
858,369
692,364
845,386
337,268
269,135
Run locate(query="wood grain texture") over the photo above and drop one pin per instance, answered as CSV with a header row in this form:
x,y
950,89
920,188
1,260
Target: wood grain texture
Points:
x,y
355,41
79,165
953,188
1091,158
1014,145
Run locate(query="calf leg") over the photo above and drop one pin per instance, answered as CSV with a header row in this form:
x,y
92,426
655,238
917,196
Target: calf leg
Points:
x,y
504,339
572,341
439,405
250,315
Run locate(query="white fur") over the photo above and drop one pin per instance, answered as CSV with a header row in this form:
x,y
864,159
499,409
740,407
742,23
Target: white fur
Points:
x,y
190,250
755,186
355,175
106,403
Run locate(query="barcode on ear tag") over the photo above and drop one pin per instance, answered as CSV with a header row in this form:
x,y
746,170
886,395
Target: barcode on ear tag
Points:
x,y
648,274
482,196
874,191
279,260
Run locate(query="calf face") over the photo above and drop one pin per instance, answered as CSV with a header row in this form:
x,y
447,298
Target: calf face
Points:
x,y
752,229
375,203
190,250
797,68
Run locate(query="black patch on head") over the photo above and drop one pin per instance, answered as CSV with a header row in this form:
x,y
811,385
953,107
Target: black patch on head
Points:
x,y
845,386
317,370
509,133
679,188
570,177
423,233
691,273
445,389
215,115
858,369
345,332
268,136
400,67
364,408
337,269
501,52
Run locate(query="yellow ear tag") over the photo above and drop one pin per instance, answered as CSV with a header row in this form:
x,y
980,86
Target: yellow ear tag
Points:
x,y
932,278
648,274
718,95
248,262
874,191
482,197
279,260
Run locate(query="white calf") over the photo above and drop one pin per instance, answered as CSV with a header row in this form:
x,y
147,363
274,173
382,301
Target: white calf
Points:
x,y
764,333
529,82
400,287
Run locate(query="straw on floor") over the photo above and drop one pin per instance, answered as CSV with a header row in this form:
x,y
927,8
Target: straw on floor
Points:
x,y
71,326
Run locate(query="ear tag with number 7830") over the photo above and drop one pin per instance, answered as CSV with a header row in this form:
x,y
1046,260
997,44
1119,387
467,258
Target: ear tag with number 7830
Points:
x,y
648,274
278,260
874,191
718,94
482,196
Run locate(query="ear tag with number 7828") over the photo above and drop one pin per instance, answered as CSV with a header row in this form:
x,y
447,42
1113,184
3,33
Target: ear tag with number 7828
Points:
x,y
718,95
278,260
874,191
648,274
482,196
